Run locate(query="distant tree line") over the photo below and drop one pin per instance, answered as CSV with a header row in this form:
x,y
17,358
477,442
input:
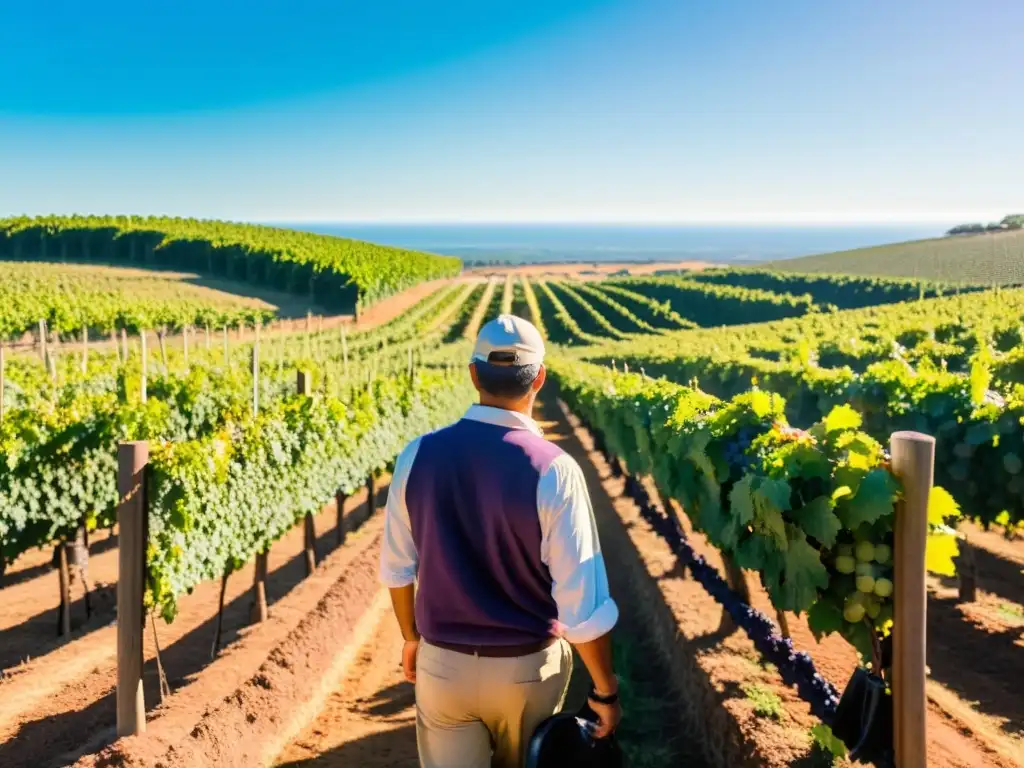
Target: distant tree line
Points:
x,y
1013,221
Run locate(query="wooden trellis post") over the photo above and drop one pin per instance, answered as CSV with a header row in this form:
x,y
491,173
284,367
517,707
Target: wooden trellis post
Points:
x,y
145,365
85,348
3,363
371,493
913,462
184,346
259,586
131,521
259,589
339,499
51,356
42,341
227,348
161,337
64,579
303,383
967,573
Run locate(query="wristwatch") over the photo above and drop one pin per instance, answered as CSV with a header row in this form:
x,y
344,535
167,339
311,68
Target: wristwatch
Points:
x,y
609,699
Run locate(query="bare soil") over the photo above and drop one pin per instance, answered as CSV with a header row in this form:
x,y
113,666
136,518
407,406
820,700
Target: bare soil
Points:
x,y
59,694
371,721
323,674
586,269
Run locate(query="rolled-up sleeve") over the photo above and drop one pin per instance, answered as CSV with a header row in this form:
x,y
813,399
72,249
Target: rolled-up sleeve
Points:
x,y
398,556
572,552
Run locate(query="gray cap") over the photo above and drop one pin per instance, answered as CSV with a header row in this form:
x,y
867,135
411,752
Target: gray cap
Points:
x,y
510,340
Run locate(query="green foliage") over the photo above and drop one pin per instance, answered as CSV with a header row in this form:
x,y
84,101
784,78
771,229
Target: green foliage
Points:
x,y
766,702
980,441
70,298
654,314
606,301
535,315
335,272
839,291
58,440
710,305
217,501
826,742
565,329
787,503
592,322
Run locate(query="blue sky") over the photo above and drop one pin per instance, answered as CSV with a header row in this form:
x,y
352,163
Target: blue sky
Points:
x,y
577,110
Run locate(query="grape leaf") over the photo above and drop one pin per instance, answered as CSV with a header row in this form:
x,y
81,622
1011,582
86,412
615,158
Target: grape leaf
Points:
x,y
941,506
756,553
761,501
819,521
802,577
842,417
940,550
761,403
774,494
859,636
873,500
825,617
827,741
841,492
772,524
719,526
741,500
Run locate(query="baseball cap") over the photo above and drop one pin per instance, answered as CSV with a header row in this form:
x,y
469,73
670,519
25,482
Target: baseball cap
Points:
x,y
510,340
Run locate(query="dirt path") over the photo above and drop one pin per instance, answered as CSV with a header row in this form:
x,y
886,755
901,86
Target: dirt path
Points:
x,y
61,695
371,719
588,269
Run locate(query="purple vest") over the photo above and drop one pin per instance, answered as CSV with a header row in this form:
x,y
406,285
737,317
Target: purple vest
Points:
x,y
472,500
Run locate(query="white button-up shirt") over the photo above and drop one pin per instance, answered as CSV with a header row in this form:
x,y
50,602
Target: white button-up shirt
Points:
x,y
569,543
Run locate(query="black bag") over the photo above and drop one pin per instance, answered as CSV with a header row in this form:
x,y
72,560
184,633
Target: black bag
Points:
x,y
863,720
566,740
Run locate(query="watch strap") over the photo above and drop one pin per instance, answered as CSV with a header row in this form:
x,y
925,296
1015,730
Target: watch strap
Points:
x,y
609,699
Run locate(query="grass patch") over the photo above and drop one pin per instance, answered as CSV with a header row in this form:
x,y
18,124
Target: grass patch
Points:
x,y
649,733
1011,612
766,702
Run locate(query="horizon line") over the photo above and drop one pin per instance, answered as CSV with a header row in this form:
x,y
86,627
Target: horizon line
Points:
x,y
930,222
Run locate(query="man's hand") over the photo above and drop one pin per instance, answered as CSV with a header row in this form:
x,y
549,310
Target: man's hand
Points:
x,y
609,716
409,659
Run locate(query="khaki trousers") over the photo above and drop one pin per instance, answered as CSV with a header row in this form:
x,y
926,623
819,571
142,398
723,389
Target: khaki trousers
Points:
x,y
476,712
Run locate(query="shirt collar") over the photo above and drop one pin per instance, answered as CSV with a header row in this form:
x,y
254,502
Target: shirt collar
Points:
x,y
502,418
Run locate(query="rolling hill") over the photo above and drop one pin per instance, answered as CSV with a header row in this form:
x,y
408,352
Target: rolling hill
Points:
x,y
334,272
994,259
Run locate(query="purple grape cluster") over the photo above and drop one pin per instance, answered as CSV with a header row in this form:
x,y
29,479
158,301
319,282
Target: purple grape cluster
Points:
x,y
736,450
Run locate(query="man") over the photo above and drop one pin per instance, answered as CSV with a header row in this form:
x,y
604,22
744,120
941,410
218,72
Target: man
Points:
x,y
495,524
